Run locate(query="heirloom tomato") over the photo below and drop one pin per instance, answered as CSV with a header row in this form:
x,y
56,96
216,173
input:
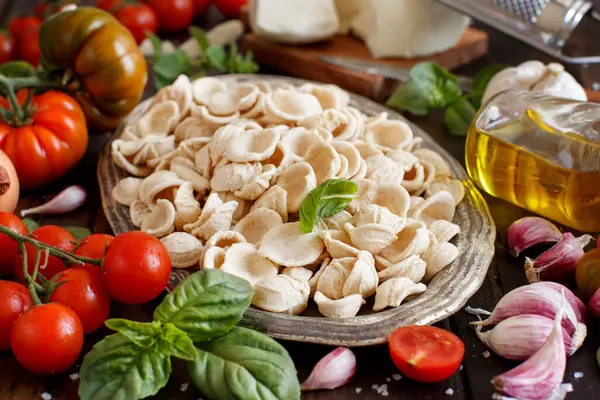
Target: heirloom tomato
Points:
x,y
105,67
8,247
47,144
14,300
173,15
138,18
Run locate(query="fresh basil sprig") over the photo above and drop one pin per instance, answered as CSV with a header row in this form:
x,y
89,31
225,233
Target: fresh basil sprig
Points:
x,y
136,362
432,87
327,199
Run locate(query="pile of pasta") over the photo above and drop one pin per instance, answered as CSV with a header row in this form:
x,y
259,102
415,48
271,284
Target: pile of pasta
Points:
x,y
219,172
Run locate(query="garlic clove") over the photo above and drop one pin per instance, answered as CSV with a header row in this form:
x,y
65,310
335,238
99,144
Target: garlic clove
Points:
x,y
541,375
559,262
521,336
530,231
576,304
66,201
594,304
333,371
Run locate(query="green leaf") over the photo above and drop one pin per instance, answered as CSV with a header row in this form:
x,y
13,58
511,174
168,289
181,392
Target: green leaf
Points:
x,y
244,364
481,81
171,65
200,37
207,304
327,199
30,224
177,343
161,82
156,44
458,117
117,368
78,232
141,333
429,87
217,58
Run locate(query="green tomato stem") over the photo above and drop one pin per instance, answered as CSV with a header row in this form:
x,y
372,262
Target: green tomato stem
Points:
x,y
30,282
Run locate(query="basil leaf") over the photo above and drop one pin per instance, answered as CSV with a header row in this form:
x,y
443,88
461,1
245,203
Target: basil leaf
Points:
x,y
200,37
156,44
117,368
140,333
458,117
217,58
177,343
244,364
429,87
79,233
327,199
206,304
30,224
481,81
171,65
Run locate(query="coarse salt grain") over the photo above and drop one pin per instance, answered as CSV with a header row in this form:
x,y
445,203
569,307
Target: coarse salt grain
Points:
x,y
74,376
388,379
46,396
396,377
358,390
578,375
375,387
461,367
449,391
486,354
184,387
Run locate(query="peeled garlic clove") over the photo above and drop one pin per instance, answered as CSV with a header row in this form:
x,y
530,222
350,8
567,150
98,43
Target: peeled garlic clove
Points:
x,y
521,336
559,262
530,231
541,375
333,371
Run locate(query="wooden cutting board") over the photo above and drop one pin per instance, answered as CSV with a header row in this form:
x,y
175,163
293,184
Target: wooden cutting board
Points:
x,y
302,61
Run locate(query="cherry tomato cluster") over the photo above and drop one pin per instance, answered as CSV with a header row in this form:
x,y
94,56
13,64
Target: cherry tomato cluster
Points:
x,y
46,336
21,40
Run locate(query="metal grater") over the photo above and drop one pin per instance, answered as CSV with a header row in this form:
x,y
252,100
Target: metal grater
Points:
x,y
544,24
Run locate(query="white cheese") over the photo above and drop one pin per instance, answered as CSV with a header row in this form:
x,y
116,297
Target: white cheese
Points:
x,y
294,21
347,10
408,28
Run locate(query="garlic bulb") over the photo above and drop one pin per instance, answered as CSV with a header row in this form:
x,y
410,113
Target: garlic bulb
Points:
x,y
534,76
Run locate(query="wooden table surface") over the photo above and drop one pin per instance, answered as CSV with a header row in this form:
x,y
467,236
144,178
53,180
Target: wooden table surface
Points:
x,y
374,365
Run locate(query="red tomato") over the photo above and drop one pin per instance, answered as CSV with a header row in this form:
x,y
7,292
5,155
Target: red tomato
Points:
x,y
202,6
138,18
109,5
54,236
29,47
18,26
9,248
47,339
51,144
426,353
7,47
173,15
136,267
14,300
93,246
230,8
85,293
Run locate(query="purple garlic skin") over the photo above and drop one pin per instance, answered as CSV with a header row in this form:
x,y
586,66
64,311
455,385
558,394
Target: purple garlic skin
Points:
x,y
530,231
594,304
521,336
542,374
333,371
575,302
559,262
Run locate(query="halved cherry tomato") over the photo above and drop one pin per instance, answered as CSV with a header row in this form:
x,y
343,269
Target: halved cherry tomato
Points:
x,y
93,246
426,353
8,247
7,47
54,236
138,18
85,293
173,15
136,267
47,339
230,8
14,301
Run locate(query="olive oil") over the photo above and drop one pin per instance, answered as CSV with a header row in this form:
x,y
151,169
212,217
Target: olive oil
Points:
x,y
544,157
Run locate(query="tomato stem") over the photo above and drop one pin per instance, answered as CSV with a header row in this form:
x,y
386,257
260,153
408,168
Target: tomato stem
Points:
x,y
71,258
30,282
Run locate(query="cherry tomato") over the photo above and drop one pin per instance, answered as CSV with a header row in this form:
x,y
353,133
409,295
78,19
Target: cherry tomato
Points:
x,y
18,26
47,339
230,8
587,272
14,300
202,6
93,246
9,248
29,47
136,267
109,5
54,236
7,47
426,353
173,15
85,293
138,18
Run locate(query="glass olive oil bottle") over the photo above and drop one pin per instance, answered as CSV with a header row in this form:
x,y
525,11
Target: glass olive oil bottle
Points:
x,y
541,153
